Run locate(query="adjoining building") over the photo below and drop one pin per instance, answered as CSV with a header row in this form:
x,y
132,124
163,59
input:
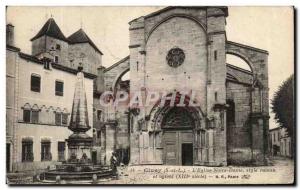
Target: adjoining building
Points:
x,y
40,90
280,142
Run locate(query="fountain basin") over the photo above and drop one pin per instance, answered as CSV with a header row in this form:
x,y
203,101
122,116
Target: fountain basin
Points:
x,y
77,172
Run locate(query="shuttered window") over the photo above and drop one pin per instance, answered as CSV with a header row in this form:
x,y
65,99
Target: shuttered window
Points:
x,y
35,83
64,119
27,151
46,151
34,116
26,116
58,119
59,88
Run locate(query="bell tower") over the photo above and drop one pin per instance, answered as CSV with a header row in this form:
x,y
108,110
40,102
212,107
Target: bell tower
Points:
x,y
51,43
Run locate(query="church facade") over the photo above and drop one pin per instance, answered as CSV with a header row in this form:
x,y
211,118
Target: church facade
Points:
x,y
184,49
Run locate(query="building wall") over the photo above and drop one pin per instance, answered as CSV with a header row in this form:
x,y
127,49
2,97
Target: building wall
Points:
x,y
275,136
38,46
238,133
91,59
200,33
280,138
11,101
47,102
285,147
285,143
116,134
191,38
11,59
62,53
69,55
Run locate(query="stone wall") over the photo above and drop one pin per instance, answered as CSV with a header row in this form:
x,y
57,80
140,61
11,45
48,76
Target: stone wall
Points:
x,y
252,106
91,59
69,55
11,100
38,46
116,117
238,133
200,33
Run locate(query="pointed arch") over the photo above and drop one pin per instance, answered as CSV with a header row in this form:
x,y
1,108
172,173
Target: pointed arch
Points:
x,y
26,106
58,110
35,107
158,113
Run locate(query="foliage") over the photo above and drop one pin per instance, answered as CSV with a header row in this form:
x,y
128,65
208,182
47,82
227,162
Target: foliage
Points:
x,y
283,105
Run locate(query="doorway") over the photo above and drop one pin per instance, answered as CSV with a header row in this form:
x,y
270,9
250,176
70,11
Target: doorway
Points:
x,y
94,157
187,154
7,157
178,147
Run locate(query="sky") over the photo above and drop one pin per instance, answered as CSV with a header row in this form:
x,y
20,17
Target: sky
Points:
x,y
269,28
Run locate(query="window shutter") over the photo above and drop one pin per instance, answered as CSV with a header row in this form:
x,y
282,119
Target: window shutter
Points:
x,y
35,83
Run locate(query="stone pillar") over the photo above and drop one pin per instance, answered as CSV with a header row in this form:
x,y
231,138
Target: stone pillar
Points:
x,y
137,81
110,143
216,89
134,143
220,135
259,148
79,143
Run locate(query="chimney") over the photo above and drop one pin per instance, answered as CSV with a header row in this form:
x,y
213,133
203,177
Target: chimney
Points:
x,y
10,35
99,81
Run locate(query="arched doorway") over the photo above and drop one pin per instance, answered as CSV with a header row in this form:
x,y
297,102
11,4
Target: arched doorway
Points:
x,y
178,127
178,137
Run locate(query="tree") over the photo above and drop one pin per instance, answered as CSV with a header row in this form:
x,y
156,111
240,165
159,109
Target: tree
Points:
x,y
283,106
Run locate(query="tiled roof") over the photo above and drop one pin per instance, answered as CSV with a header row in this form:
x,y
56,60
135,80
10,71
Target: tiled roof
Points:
x,y
55,65
81,37
51,29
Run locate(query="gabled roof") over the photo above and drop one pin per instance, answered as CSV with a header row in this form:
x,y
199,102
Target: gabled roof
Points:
x,y
81,37
51,29
224,9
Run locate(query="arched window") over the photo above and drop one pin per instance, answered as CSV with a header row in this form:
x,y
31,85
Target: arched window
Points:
x,y
58,117
65,118
26,113
230,116
35,114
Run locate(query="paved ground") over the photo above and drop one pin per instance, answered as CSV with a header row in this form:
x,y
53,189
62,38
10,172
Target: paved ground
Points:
x,y
281,171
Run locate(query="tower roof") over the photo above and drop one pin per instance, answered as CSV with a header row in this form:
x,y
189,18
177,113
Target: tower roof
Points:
x,y
81,37
51,29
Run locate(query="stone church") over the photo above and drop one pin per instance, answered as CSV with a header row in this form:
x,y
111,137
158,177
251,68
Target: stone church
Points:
x,y
185,49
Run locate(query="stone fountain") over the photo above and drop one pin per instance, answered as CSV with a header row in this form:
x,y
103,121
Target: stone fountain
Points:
x,y
78,165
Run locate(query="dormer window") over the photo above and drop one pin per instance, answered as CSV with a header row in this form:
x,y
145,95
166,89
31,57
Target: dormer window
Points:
x,y
57,47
